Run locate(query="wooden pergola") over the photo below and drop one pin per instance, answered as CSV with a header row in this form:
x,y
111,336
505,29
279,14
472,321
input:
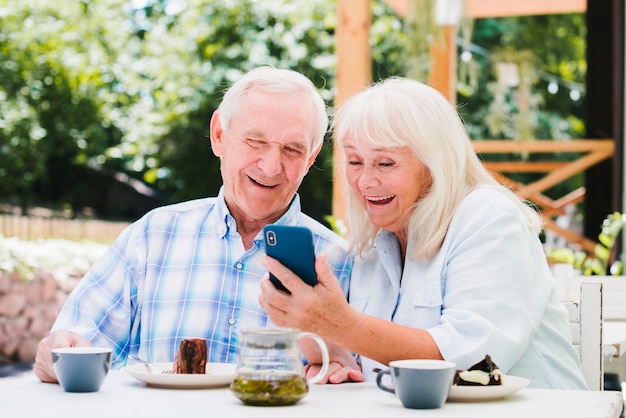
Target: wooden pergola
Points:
x,y
354,73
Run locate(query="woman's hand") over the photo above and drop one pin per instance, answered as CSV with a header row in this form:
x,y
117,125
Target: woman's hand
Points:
x,y
320,309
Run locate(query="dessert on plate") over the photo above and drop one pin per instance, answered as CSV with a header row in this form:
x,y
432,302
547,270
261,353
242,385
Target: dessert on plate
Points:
x,y
191,356
483,373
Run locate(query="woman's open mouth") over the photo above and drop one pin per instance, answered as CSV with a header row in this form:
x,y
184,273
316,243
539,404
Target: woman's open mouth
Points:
x,y
380,200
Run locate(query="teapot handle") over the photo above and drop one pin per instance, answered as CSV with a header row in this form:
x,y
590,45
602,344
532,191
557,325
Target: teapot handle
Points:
x,y
325,358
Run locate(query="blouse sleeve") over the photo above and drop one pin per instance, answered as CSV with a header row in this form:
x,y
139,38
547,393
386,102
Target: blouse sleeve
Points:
x,y
495,285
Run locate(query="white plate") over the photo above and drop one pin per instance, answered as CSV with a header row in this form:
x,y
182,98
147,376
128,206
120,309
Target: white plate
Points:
x,y
510,384
217,375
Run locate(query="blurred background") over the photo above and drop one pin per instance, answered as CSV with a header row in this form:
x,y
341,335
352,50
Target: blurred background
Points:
x,y
104,104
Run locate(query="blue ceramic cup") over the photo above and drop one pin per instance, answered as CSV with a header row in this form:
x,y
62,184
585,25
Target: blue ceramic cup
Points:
x,y
420,384
81,369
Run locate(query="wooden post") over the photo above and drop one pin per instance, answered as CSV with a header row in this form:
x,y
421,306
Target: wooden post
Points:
x,y
442,75
354,72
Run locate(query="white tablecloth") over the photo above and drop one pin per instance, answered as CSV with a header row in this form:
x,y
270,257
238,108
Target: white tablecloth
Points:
x,y
122,396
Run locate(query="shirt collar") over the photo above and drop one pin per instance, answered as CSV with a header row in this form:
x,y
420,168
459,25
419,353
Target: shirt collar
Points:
x,y
227,221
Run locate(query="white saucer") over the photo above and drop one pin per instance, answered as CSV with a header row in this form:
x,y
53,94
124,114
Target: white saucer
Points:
x,y
217,375
510,384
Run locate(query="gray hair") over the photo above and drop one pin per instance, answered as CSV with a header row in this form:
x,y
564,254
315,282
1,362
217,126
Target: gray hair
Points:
x,y
403,112
275,80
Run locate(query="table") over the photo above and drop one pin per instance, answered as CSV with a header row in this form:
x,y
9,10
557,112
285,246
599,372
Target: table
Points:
x,y
122,396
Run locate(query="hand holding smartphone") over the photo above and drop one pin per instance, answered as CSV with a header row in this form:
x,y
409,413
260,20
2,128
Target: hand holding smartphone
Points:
x,y
293,247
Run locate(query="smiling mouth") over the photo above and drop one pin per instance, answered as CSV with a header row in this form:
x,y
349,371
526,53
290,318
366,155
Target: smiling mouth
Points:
x,y
264,185
380,200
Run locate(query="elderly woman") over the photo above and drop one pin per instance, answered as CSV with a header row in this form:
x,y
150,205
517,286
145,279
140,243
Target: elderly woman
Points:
x,y
448,262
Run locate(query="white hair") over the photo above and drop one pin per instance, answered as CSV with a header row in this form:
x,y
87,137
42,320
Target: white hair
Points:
x,y
403,112
275,80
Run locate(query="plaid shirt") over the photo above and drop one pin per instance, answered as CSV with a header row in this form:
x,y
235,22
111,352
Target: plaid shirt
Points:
x,y
181,271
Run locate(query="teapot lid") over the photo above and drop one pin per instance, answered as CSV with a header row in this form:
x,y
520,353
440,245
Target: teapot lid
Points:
x,y
270,335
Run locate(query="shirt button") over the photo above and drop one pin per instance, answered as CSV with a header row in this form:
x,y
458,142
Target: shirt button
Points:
x,y
231,321
239,266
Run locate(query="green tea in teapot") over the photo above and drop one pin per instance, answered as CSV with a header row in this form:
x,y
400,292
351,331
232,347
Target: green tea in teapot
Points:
x,y
269,390
270,371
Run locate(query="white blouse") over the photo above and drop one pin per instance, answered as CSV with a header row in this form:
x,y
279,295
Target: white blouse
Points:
x,y
489,290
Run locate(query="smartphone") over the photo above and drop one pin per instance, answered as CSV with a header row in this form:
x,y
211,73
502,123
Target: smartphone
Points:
x,y
293,247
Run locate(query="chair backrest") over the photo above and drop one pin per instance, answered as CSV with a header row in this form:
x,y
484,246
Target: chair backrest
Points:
x,y
585,315
613,294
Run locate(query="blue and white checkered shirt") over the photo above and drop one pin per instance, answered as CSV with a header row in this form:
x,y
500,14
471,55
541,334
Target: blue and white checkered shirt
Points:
x,y
181,271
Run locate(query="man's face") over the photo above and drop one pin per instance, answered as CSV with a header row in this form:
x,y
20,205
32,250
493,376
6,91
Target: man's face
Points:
x,y
265,153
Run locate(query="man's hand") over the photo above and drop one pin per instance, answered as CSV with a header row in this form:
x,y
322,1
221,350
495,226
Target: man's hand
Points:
x,y
43,360
336,373
342,366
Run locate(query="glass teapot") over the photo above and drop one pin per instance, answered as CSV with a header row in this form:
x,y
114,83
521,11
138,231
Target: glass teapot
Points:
x,y
270,371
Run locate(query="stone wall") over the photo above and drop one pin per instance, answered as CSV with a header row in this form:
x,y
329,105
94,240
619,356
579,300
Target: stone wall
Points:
x,y
28,308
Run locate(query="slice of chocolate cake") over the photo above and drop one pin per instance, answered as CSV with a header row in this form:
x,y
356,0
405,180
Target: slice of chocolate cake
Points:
x,y
191,357
483,373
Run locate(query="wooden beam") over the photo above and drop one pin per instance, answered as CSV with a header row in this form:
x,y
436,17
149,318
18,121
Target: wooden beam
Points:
x,y
557,207
562,174
354,72
492,146
594,151
501,8
570,236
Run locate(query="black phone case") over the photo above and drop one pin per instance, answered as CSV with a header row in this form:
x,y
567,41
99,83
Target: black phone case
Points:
x,y
293,247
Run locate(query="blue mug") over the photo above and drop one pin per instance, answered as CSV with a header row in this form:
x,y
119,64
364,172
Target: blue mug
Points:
x,y
81,369
419,384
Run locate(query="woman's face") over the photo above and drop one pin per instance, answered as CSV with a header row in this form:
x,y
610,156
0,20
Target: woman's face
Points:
x,y
387,181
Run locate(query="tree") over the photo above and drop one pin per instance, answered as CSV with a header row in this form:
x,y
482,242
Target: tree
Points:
x,y
92,90
54,69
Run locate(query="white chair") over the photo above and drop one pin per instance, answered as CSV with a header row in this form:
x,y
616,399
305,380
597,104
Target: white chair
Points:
x,y
586,328
613,304
613,293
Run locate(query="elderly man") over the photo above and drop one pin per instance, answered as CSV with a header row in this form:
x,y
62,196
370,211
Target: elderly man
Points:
x,y
192,270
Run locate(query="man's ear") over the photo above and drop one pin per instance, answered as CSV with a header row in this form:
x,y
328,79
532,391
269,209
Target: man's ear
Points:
x,y
217,145
314,156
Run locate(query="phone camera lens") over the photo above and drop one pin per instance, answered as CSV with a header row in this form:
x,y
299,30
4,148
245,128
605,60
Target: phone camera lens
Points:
x,y
271,238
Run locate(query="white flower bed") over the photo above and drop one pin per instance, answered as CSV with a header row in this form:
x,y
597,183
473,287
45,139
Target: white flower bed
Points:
x,y
57,256
35,278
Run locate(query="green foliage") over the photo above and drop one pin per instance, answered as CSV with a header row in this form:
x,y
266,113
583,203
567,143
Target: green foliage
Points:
x,y
389,40
602,262
422,30
557,43
336,225
102,85
91,87
54,66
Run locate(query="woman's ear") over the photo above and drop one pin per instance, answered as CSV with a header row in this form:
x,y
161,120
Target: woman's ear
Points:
x,y
216,133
